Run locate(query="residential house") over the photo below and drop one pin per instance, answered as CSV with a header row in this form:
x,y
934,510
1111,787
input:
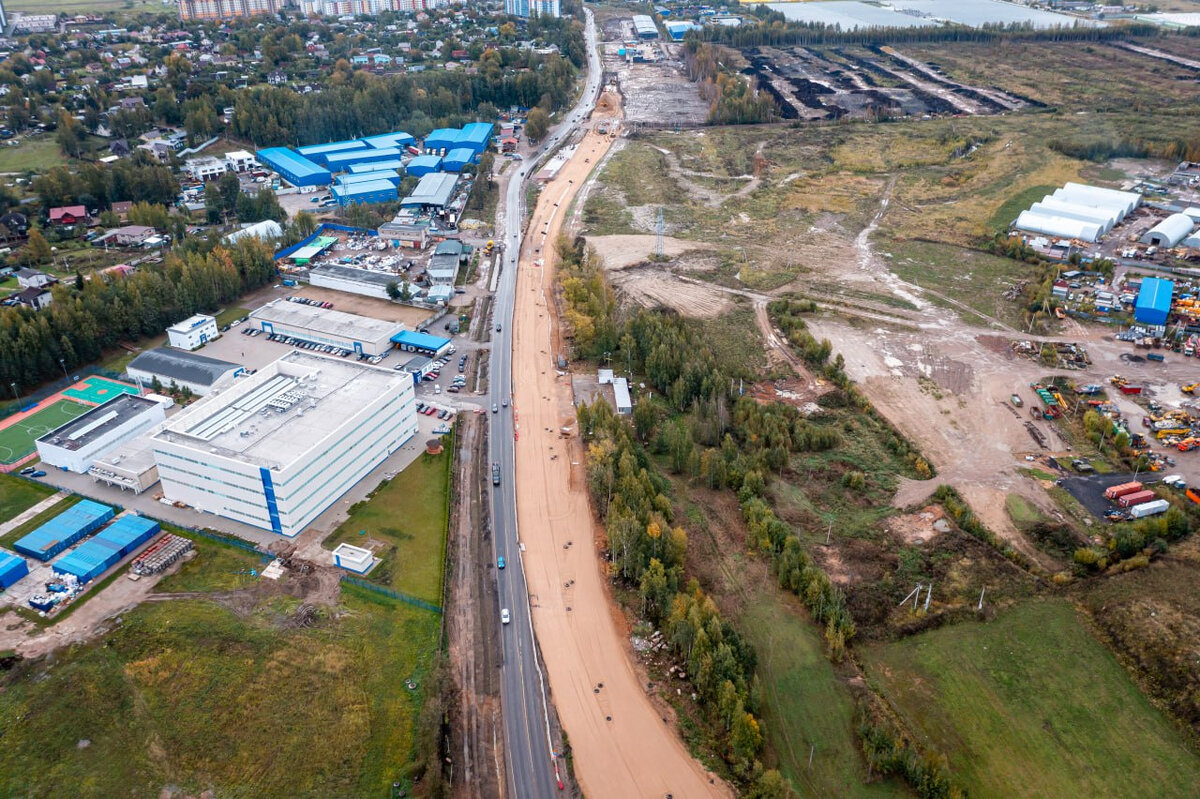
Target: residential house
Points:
x,y
120,148
68,215
127,236
121,209
34,298
33,279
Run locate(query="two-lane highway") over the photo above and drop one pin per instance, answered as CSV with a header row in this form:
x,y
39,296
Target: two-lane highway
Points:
x,y
528,744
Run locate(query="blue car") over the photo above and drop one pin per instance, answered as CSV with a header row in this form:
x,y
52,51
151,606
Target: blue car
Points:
x,y
500,562
38,473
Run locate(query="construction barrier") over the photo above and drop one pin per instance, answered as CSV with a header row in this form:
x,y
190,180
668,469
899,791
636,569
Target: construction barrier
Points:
x,y
388,592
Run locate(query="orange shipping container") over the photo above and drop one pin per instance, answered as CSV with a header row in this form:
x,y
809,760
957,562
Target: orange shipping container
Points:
x,y
1121,490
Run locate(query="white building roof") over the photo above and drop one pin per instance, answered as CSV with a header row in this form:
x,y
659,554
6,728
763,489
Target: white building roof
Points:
x,y
266,229
1049,206
191,323
322,320
1100,197
1058,226
621,393
277,416
1170,231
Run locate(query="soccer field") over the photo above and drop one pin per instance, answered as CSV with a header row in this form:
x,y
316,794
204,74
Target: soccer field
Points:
x,y
17,439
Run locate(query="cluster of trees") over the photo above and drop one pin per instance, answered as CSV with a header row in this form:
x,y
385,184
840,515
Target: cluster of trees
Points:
x,y
1130,545
648,554
92,316
888,751
775,30
1122,145
224,197
363,104
731,100
137,179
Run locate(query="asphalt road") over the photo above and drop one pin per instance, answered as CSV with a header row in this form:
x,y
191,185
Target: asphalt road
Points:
x,y
528,748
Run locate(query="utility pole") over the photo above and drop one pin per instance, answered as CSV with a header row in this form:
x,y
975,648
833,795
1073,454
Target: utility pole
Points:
x,y
981,593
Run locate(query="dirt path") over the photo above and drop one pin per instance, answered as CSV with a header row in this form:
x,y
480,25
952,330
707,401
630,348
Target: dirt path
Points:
x,y
476,734
621,743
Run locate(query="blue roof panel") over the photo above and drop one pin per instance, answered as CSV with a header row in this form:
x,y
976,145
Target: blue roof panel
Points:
x,y
422,340
290,161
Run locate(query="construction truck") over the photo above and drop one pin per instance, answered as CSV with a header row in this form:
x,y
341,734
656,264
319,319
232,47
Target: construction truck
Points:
x,y
1189,388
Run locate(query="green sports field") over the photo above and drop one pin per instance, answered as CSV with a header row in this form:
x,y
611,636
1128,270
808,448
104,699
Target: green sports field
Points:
x,y
16,440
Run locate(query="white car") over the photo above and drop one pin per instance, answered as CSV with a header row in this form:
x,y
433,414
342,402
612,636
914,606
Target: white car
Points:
x,y
504,617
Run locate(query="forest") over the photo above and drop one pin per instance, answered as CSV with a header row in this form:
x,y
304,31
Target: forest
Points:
x,y
92,316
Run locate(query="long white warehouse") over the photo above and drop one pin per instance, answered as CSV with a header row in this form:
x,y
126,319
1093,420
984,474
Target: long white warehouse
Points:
x,y
276,449
1169,232
1057,226
1085,213
77,444
359,334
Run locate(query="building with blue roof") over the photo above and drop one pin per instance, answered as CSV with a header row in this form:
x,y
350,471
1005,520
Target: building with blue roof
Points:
x,y
424,164
12,568
475,136
372,191
295,168
423,343
397,139
1154,301
390,175
319,152
358,169
338,162
99,554
64,529
442,140
458,158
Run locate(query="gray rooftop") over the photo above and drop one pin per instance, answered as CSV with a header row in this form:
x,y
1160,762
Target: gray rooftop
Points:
x,y
82,430
436,188
357,275
322,320
186,367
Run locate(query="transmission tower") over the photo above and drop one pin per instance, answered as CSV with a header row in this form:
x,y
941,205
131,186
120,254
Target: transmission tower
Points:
x,y
658,243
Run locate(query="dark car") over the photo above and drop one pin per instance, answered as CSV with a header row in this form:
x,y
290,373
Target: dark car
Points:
x,y
38,473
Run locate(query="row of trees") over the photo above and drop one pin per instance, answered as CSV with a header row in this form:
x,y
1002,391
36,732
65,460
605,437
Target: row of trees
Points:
x,y
137,179
648,554
368,104
93,316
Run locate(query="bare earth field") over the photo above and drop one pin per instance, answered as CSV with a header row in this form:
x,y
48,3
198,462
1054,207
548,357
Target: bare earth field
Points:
x,y
623,744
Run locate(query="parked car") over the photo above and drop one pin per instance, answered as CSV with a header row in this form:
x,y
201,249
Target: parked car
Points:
x,y
504,617
38,473
28,470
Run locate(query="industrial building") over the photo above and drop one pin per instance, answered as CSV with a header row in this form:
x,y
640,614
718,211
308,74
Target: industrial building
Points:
x,y
265,230
434,191
424,164
447,257
320,152
1154,301
12,568
458,158
1169,232
644,27
339,162
352,280
76,445
390,175
277,449
197,373
1076,211
383,140
193,333
423,343
63,530
100,553
313,249
371,191
474,137
405,234
359,169
359,334
129,467
295,169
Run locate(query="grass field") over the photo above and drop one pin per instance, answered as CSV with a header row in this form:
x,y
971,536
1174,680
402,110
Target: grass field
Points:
x,y
214,567
17,495
230,315
34,154
14,535
1030,705
806,707
87,6
17,440
190,694
405,522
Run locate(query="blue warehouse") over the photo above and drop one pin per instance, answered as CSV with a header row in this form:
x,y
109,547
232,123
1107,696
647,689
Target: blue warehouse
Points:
x,y
373,191
1154,301
295,169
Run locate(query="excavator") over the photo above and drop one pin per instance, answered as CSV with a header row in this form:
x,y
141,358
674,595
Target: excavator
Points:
x,y
1189,388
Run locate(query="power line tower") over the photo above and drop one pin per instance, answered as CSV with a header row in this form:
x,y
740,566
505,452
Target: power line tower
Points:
x,y
658,243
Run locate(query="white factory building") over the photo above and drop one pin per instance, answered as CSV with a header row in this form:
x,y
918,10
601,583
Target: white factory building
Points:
x,y
360,334
353,280
197,373
1079,212
276,449
193,333
77,444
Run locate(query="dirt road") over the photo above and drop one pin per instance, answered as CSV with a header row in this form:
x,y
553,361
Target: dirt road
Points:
x,y
471,611
621,743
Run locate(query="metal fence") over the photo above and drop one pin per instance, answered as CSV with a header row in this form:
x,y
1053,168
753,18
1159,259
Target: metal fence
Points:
x,y
388,592
228,541
52,388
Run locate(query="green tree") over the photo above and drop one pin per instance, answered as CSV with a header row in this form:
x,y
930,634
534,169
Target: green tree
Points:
x,y
36,248
537,124
393,290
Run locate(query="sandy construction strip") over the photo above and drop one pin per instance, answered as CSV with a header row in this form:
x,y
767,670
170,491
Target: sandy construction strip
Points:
x,y
620,742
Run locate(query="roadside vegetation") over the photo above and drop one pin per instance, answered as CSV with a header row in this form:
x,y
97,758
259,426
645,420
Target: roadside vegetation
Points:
x,y
18,496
